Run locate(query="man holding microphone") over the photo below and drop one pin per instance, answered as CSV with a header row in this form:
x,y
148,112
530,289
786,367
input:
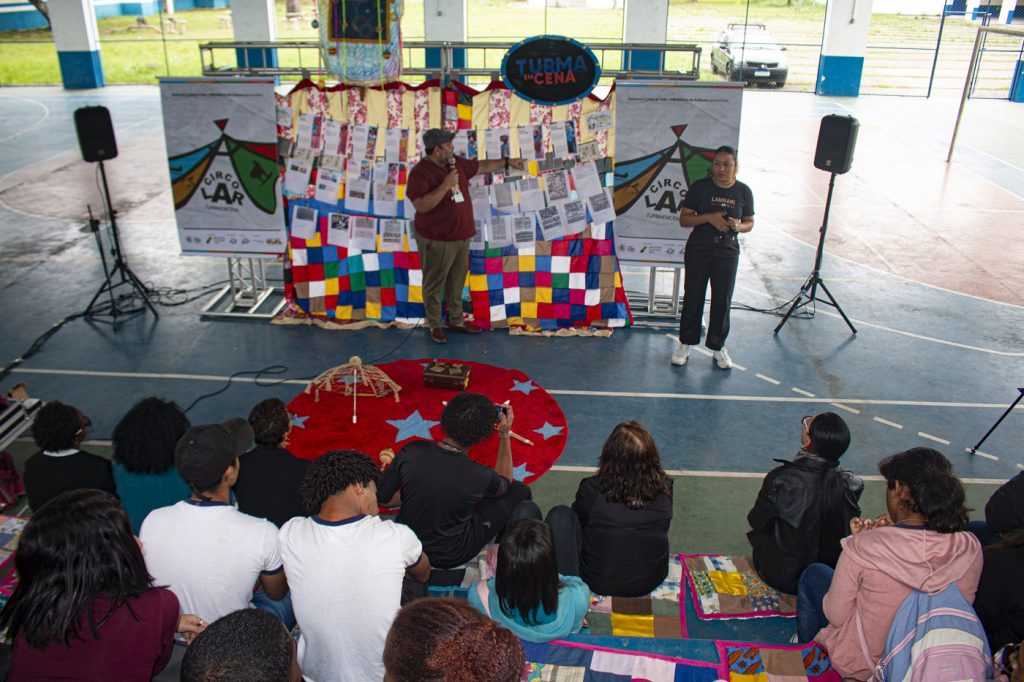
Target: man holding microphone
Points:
x,y
438,188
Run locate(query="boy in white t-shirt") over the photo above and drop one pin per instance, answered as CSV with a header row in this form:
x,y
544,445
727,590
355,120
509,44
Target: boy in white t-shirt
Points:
x,y
206,551
346,568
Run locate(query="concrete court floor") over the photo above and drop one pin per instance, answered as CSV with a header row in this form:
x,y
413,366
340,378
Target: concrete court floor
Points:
x,y
923,255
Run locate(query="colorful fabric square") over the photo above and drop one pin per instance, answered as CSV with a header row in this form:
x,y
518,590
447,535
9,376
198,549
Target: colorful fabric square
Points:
x,y
655,615
361,41
724,586
585,663
775,662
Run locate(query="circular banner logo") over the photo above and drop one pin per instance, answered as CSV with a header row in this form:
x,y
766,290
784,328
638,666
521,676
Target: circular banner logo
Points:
x,y
550,70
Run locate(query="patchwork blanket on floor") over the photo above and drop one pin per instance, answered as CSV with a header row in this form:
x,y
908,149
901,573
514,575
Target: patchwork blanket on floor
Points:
x,y
775,662
575,662
725,586
655,615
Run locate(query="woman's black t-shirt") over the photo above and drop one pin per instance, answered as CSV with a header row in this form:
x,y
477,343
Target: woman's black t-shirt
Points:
x,y
707,197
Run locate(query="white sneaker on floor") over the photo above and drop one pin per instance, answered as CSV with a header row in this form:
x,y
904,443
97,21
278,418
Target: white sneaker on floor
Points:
x,y
722,358
681,354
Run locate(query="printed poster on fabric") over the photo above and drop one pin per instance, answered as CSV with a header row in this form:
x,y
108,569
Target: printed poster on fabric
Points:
x,y
222,155
666,136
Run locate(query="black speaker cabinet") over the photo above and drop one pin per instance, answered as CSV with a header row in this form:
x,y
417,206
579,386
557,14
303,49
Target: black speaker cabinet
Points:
x,y
95,133
836,139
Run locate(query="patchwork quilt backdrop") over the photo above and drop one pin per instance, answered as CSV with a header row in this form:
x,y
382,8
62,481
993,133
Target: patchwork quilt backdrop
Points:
x,y
572,281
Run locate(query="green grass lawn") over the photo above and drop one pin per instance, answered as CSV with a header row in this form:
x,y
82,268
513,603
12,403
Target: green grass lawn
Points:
x,y
899,57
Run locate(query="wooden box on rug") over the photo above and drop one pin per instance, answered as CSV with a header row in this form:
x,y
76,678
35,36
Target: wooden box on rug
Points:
x,y
451,375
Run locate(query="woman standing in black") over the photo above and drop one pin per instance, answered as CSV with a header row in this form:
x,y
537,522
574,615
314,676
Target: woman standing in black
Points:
x,y
717,207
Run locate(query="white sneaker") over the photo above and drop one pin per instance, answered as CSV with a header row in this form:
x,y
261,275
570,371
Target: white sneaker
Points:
x,y
681,354
722,358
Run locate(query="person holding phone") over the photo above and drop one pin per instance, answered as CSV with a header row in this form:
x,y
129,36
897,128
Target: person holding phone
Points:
x,y
718,208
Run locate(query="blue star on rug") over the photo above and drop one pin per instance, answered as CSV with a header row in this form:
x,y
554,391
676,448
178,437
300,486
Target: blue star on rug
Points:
x,y
413,425
548,430
520,472
523,386
299,422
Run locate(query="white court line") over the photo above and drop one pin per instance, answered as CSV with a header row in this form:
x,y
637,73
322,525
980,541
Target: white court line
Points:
x,y
979,453
596,394
888,423
753,474
934,438
854,410
768,379
803,392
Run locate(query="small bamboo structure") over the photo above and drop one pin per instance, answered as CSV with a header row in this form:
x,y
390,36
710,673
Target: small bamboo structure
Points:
x,y
355,380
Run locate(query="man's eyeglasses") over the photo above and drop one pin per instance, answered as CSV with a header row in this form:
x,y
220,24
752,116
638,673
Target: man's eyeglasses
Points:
x,y
806,421
88,424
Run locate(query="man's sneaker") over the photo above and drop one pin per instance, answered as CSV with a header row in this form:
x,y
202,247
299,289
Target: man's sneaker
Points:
x,y
681,354
722,358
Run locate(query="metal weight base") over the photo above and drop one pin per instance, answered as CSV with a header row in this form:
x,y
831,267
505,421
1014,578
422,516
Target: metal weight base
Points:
x,y
247,295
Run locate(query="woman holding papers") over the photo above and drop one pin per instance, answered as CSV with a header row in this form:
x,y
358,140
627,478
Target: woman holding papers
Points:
x,y
718,208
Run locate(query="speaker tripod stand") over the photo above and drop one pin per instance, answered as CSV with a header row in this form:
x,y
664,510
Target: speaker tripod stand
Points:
x,y
118,276
809,291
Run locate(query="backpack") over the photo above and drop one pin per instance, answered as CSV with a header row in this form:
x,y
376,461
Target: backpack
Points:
x,y
933,638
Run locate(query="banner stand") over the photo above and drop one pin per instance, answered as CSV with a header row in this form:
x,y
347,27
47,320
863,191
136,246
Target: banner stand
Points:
x,y
247,294
655,304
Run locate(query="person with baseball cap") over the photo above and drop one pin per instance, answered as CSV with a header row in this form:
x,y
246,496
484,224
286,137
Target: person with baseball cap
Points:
x,y
438,188
207,552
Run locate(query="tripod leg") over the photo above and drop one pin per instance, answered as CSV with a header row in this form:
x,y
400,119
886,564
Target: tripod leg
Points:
x,y
999,421
798,302
835,304
141,289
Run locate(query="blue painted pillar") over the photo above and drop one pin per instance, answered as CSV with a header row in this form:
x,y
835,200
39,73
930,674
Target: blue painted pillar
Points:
x,y
76,38
444,21
646,21
1006,11
842,47
253,21
1017,85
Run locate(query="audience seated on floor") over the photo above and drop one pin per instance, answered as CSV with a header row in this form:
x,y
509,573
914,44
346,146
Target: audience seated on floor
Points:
x,y
446,640
60,465
920,545
1004,512
625,512
85,608
346,568
209,553
454,504
536,591
804,507
249,645
270,476
144,470
1000,598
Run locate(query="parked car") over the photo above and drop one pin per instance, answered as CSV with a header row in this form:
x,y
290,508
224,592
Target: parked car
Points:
x,y
749,53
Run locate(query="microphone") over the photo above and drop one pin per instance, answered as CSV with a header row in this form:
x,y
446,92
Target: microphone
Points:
x,y
456,192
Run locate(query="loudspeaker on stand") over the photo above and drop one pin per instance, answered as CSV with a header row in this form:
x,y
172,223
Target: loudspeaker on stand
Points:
x,y
836,139
95,133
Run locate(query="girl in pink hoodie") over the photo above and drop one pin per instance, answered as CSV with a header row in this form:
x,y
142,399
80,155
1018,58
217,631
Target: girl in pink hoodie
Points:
x,y
920,545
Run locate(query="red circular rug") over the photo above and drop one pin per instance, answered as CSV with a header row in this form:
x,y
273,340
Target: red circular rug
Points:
x,y
319,426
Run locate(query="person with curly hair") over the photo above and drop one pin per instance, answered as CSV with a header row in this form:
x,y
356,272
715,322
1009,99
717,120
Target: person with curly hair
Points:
x,y
804,507
447,640
248,645
625,512
85,607
60,465
270,476
144,471
346,567
454,504
921,544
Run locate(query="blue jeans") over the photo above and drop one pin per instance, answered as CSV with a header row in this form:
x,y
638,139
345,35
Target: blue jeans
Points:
x,y
810,616
282,608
